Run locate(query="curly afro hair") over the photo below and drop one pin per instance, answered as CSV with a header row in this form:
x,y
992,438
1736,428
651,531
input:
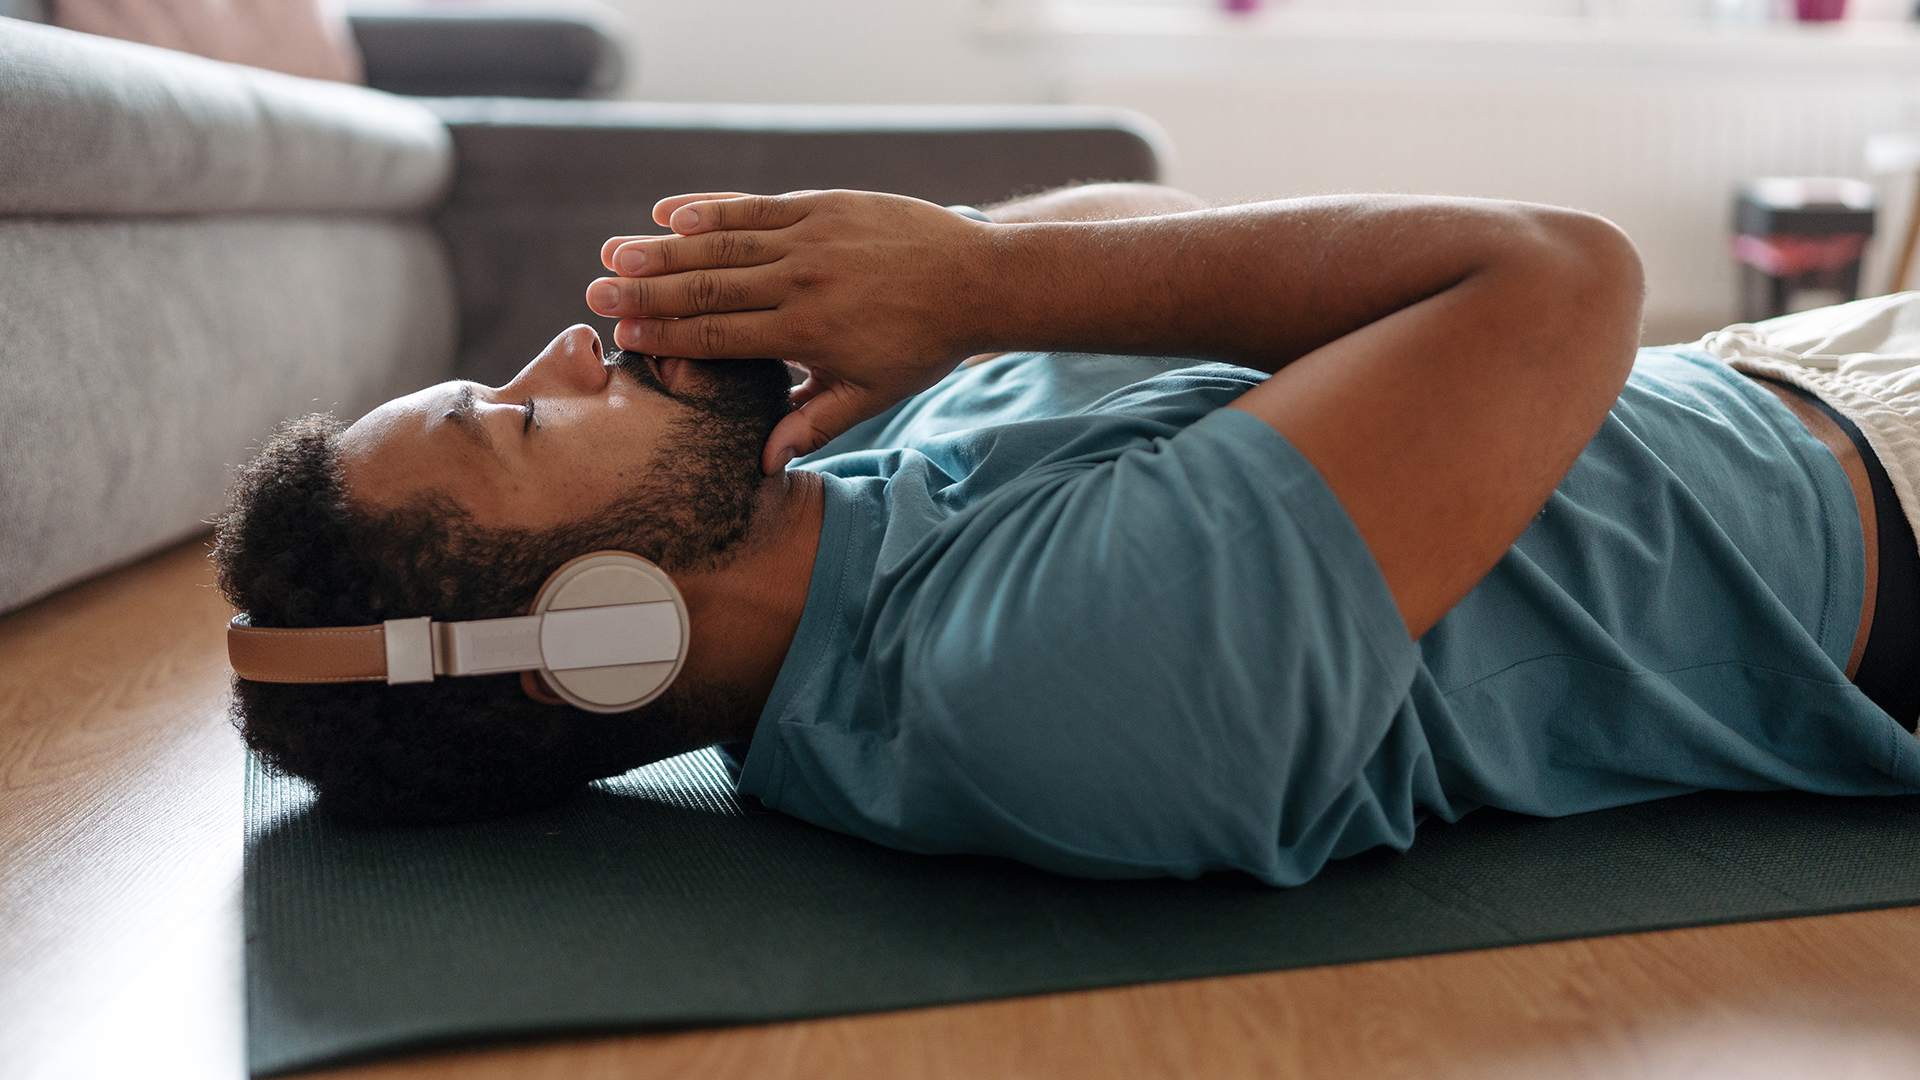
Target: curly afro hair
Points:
x,y
294,552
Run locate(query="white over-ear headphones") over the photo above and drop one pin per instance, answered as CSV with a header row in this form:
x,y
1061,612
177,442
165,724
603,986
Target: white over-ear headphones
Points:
x,y
607,632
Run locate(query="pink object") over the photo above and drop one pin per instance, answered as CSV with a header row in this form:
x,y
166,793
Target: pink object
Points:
x,y
1819,10
1788,256
1248,7
299,37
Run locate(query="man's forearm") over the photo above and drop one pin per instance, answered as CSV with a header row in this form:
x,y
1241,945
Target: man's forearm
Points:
x,y
1260,284
1095,202
1089,202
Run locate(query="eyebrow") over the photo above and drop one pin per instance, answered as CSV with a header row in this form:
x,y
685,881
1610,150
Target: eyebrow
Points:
x,y
466,418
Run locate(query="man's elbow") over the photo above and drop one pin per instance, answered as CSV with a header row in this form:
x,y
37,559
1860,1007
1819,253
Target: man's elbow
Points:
x,y
1589,282
1597,260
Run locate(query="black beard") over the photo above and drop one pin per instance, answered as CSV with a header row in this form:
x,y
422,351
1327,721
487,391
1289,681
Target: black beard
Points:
x,y
698,497
739,388
636,366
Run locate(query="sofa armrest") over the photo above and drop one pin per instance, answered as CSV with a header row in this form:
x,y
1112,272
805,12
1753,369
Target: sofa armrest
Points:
x,y
570,51
539,185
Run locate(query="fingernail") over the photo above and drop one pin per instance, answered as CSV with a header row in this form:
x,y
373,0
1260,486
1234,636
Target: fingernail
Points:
x,y
626,336
602,296
689,219
785,456
632,260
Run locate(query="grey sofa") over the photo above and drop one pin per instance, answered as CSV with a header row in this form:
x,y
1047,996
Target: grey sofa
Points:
x,y
192,251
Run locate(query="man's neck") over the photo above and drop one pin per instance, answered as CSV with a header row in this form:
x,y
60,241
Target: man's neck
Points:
x,y
744,615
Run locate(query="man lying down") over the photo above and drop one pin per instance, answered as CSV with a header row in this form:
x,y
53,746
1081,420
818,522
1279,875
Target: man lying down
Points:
x,y
1272,530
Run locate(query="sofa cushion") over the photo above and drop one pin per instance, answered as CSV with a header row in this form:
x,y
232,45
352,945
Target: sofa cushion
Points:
x,y
97,126
143,358
560,49
299,37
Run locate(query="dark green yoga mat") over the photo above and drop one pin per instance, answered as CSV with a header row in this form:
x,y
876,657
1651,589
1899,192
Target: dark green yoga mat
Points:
x,y
656,900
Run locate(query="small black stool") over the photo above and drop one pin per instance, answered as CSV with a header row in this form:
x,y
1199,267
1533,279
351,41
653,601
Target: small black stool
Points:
x,y
1798,241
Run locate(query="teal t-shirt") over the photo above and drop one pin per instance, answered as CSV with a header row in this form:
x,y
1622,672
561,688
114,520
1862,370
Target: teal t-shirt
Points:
x,y
1069,610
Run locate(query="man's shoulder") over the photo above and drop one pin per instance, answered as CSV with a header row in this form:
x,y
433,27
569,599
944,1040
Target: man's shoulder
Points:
x,y
1020,396
1184,392
1035,386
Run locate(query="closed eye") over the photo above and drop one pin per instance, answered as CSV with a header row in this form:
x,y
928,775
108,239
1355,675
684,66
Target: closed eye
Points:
x,y
529,423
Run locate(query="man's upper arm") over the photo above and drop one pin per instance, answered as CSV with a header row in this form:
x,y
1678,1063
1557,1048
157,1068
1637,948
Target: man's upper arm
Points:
x,y
1444,426
1170,661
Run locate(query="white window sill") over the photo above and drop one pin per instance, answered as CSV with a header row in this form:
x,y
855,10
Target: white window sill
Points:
x,y
1859,45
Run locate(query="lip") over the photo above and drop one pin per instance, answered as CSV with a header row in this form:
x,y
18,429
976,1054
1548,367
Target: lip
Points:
x,y
667,369
668,372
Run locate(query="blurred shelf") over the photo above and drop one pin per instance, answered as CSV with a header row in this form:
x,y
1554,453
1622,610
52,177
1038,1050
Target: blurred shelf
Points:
x,y
1173,32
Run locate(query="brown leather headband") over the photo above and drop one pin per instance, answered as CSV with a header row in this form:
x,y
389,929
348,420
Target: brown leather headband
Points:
x,y
329,655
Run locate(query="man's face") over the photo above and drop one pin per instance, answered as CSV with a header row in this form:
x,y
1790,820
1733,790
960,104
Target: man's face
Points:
x,y
573,437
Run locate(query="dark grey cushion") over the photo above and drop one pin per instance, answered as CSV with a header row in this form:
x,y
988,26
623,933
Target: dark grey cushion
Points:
x,y
541,184
559,52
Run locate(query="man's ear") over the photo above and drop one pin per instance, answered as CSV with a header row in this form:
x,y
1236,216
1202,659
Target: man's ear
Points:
x,y
537,689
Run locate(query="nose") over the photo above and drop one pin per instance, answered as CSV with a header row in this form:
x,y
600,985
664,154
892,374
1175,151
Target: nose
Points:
x,y
570,363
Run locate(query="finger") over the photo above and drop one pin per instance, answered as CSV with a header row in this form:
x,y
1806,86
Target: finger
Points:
x,y
613,244
664,209
647,256
806,389
741,335
744,212
700,292
815,423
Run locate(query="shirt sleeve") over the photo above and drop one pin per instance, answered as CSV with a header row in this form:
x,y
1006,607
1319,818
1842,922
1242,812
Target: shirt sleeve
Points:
x,y
1178,659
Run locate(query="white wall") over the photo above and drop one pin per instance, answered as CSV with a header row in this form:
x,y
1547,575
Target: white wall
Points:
x,y
818,51
1651,126
1653,136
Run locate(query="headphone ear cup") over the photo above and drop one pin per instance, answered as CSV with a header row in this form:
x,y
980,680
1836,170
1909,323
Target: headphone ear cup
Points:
x,y
537,689
601,579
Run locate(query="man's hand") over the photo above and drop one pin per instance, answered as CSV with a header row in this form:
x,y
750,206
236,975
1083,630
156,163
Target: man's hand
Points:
x,y
869,293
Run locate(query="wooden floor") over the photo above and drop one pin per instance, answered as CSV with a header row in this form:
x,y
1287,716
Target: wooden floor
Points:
x,y
120,935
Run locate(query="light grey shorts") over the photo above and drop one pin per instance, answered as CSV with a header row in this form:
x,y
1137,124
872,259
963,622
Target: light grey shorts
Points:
x,y
1862,358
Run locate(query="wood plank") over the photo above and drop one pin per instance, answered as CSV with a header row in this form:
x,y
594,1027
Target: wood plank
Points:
x,y
120,785
120,943
1820,997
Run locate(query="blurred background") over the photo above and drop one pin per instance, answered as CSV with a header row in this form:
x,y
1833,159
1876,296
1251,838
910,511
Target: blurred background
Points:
x,y
1655,113
1650,112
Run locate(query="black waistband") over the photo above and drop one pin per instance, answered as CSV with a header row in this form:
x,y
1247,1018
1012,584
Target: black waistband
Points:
x,y
1890,669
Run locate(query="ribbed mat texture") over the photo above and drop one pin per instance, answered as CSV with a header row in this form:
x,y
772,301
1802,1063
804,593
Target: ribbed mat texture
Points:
x,y
658,900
